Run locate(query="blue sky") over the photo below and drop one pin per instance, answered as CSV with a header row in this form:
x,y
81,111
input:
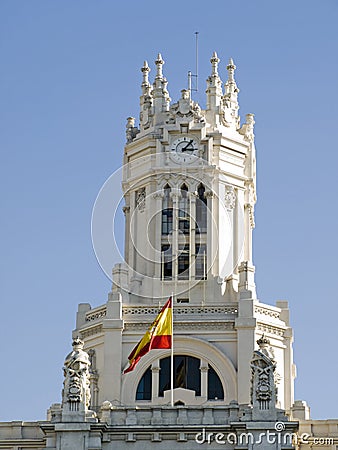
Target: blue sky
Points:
x,y
71,76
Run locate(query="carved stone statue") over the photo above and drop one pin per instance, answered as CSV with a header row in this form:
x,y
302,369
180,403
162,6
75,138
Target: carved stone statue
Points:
x,y
76,391
263,388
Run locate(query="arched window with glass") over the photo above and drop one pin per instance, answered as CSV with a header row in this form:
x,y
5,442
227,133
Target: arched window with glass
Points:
x,y
187,375
201,210
183,211
167,211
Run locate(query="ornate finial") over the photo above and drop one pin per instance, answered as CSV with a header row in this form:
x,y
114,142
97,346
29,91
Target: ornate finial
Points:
x,y
77,343
231,70
263,341
214,62
145,70
159,63
264,347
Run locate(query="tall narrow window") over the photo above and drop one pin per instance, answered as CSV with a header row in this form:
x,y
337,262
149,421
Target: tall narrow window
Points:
x,y
167,211
183,211
144,387
201,210
200,263
183,262
167,265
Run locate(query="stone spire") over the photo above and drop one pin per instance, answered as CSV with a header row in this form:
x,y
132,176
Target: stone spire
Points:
x,y
160,92
231,90
145,83
159,63
146,100
214,85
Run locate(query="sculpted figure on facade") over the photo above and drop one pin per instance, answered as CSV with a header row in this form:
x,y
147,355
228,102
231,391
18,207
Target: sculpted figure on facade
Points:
x,y
247,129
131,130
263,366
76,389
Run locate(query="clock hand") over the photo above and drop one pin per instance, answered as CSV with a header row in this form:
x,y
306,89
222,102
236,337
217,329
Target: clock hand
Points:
x,y
188,145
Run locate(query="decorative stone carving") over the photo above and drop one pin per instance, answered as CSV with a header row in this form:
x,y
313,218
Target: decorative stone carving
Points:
x,y
247,129
263,388
131,130
76,391
209,194
230,197
94,379
141,199
158,195
250,205
126,209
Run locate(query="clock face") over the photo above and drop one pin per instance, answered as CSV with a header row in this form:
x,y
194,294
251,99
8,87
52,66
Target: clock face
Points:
x,y
184,149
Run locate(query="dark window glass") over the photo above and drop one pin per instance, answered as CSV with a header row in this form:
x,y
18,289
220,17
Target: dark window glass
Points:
x,y
200,263
201,210
215,388
167,265
167,211
167,221
183,262
183,211
144,387
187,374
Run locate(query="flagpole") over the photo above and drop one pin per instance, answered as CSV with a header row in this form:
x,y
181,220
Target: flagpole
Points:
x,y
172,352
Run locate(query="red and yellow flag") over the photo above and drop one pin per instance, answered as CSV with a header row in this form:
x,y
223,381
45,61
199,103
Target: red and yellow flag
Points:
x,y
159,335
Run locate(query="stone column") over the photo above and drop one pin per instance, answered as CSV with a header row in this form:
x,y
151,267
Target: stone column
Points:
x,y
245,325
212,241
155,373
112,327
192,240
158,198
204,379
175,195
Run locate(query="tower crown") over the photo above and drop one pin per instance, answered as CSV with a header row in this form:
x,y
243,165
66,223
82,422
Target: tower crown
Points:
x,y
221,109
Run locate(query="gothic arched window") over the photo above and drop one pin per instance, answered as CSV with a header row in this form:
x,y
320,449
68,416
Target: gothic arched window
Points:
x,y
145,386
167,211
201,210
183,211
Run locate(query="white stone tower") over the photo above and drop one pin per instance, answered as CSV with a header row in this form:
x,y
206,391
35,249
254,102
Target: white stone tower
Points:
x,y
189,184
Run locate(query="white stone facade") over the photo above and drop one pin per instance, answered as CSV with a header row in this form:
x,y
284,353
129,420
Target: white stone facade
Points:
x,y
217,317
189,184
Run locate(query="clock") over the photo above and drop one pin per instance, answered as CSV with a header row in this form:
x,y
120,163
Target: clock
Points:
x,y
184,149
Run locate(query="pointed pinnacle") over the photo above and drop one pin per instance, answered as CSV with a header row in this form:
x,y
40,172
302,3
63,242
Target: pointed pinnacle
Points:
x,y
214,58
159,59
145,67
231,64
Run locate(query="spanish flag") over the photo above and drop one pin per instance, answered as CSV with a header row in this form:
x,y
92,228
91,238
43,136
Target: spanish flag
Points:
x,y
159,335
